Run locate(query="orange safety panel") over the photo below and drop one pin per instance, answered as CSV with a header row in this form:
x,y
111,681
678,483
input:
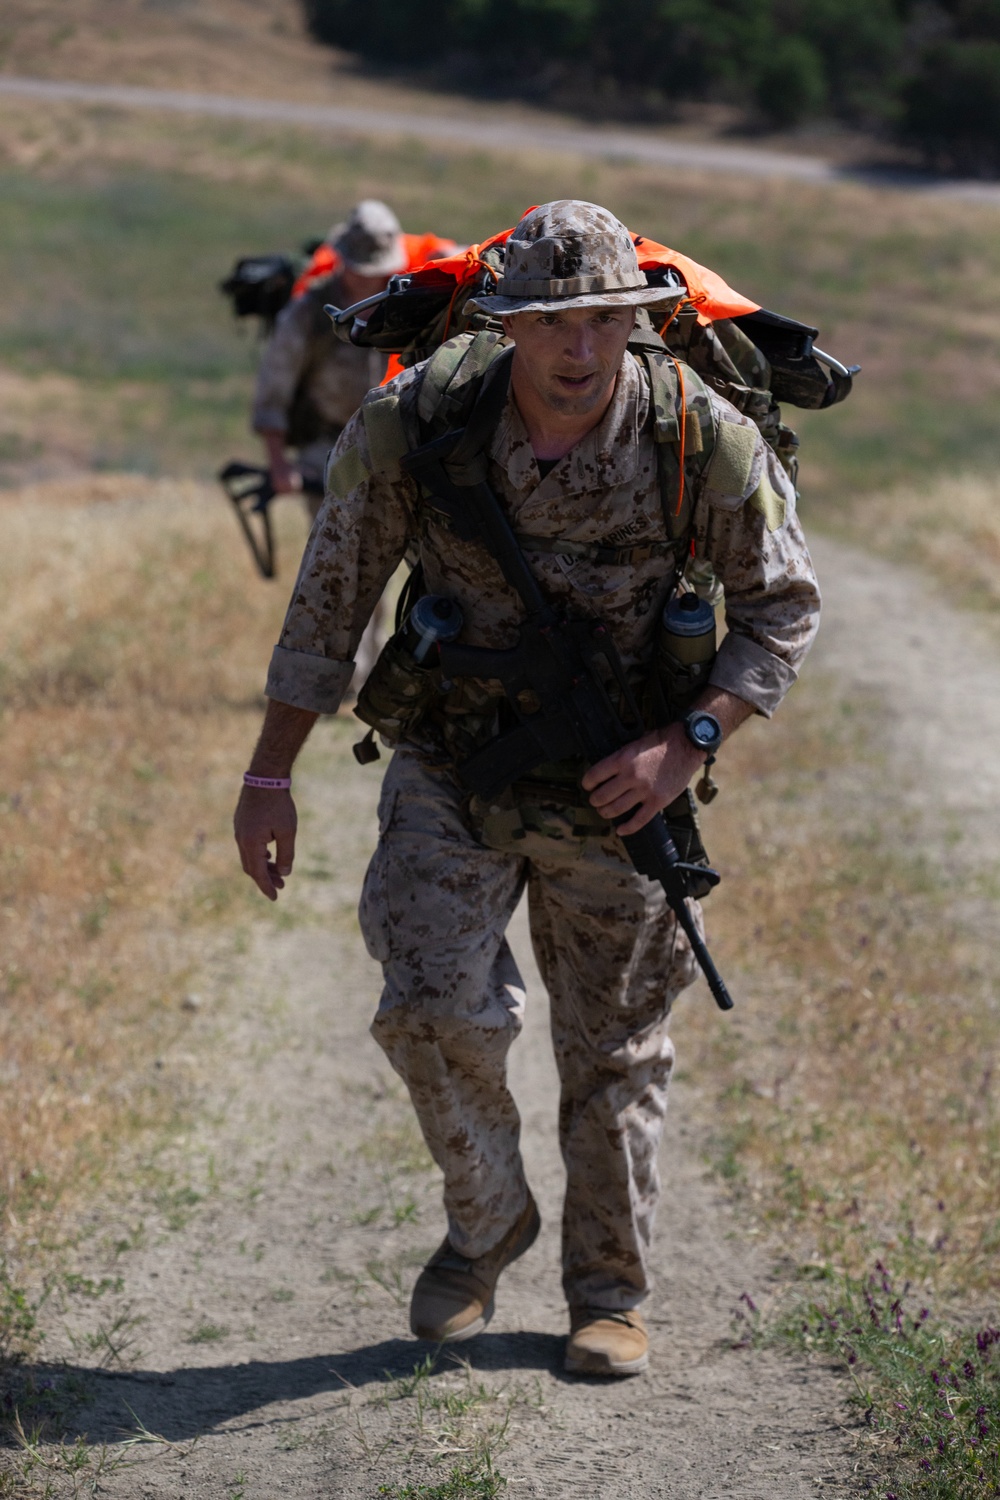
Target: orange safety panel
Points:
x,y
712,298
420,248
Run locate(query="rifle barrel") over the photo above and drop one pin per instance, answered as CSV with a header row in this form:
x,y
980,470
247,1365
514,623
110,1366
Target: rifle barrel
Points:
x,y
654,854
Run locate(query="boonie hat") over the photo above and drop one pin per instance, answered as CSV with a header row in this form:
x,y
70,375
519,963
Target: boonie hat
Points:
x,y
370,241
571,254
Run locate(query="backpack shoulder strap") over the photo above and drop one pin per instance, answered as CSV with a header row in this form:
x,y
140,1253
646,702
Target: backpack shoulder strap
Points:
x,y
449,387
684,428
387,440
453,376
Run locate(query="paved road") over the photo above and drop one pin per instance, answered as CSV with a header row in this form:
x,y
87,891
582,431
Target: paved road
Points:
x,y
496,132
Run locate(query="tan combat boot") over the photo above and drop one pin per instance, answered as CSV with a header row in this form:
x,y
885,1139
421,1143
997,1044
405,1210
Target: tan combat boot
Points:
x,y
606,1343
453,1297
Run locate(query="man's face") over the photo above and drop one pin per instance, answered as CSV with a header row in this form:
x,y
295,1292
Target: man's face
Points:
x,y
570,358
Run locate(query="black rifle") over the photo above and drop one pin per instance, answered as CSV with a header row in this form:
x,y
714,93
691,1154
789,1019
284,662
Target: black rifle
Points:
x,y
556,677
250,489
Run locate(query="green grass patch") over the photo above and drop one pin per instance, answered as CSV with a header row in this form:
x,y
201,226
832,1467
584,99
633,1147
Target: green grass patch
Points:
x,y
18,1321
208,1333
928,1395
478,1481
118,258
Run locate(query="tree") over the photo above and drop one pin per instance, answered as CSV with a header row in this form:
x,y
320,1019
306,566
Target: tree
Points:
x,y
951,106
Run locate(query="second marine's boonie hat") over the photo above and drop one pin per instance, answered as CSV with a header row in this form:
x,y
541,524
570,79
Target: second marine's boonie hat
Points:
x,y
571,254
370,241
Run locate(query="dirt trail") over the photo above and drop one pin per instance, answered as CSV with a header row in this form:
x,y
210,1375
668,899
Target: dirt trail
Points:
x,y
274,1311
275,1317
498,131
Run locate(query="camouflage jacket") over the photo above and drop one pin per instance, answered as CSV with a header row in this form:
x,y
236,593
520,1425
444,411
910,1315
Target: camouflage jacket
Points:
x,y
605,491
309,384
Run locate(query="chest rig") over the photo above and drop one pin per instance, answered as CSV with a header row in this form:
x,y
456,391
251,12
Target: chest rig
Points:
x,y
565,700
465,385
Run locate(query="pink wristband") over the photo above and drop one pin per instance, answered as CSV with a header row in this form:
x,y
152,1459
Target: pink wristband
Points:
x,y
268,783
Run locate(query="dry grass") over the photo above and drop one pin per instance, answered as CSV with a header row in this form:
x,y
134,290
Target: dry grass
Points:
x,y
229,46
951,528
134,643
853,1094
236,47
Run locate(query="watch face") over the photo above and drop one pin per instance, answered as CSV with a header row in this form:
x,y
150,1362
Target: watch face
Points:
x,y
704,730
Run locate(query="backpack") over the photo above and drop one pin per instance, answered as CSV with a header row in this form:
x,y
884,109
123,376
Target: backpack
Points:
x,y
754,358
259,287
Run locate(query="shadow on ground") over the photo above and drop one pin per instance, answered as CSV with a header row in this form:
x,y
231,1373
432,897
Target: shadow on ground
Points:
x,y
192,1400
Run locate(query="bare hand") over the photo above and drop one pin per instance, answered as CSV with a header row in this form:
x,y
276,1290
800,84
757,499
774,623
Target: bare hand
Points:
x,y
263,818
285,479
647,775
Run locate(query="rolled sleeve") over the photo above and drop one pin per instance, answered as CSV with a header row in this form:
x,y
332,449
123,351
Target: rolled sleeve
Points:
x,y
269,419
303,680
751,673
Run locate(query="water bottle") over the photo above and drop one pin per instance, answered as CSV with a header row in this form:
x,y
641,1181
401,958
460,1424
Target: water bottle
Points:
x,y
403,683
685,650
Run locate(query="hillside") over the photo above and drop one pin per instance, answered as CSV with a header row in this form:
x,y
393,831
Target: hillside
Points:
x,y
262,48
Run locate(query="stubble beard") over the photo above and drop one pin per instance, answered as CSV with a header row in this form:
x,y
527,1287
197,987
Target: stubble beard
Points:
x,y
568,405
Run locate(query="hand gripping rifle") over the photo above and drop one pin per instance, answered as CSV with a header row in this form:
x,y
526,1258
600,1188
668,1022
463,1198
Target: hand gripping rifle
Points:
x,y
250,489
556,677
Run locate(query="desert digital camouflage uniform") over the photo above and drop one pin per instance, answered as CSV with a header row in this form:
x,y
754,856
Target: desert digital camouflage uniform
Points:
x,y
309,384
448,871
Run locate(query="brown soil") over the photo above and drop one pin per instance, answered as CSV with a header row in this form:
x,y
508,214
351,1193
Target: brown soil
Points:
x,y
267,1257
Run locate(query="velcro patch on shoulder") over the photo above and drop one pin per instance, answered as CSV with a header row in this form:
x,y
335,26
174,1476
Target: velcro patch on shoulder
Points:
x,y
387,441
770,504
729,469
345,473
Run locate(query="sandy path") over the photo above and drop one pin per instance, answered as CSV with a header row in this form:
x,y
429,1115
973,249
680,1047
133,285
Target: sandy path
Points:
x,y
273,1320
933,677
305,1123
274,1326
496,132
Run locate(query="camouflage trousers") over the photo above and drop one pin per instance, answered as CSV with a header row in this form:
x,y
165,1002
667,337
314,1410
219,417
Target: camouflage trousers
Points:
x,y
434,910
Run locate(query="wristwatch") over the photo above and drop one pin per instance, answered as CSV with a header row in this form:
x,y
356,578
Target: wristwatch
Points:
x,y
704,731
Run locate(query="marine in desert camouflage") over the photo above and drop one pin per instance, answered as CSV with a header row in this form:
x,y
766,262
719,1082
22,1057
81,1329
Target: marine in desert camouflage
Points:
x,y
597,525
